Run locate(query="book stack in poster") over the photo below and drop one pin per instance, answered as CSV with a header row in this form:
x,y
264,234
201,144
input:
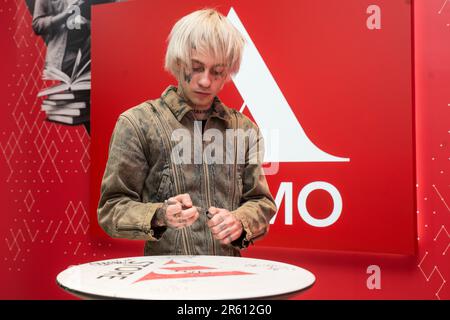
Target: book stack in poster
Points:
x,y
68,101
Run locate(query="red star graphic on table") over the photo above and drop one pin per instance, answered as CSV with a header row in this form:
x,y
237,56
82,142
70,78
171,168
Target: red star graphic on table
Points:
x,y
193,271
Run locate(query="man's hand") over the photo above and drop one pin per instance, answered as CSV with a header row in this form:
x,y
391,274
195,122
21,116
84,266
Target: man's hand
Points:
x,y
180,213
224,226
61,18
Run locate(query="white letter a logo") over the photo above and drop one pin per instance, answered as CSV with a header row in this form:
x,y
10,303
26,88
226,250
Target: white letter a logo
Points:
x,y
270,109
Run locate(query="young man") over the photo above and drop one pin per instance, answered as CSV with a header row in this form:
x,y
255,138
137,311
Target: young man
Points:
x,y
204,198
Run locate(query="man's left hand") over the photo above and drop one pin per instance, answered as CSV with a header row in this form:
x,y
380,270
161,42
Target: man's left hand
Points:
x,y
224,226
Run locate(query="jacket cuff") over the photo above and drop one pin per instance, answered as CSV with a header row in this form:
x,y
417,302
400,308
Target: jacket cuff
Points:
x,y
153,233
243,214
242,241
242,217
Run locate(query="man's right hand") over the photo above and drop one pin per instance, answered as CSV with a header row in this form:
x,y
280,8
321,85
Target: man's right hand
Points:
x,y
180,212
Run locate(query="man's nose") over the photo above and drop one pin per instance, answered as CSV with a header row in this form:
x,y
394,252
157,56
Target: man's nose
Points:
x,y
205,80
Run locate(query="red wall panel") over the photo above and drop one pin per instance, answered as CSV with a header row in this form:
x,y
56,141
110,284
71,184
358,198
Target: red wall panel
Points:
x,y
349,87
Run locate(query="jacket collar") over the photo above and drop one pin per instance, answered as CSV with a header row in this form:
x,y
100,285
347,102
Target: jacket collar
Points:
x,y
180,108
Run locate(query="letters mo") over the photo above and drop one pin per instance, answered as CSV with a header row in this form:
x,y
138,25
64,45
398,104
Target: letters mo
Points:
x,y
285,191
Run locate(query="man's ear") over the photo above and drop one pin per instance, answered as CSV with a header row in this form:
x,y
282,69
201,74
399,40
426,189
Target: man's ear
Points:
x,y
179,70
180,74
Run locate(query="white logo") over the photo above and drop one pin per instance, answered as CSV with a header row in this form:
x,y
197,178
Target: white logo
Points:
x,y
74,20
374,280
273,114
374,20
270,109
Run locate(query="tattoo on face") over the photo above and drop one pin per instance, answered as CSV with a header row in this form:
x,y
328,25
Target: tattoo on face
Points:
x,y
188,78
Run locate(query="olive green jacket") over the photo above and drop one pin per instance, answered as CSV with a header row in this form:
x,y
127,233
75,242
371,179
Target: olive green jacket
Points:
x,y
142,171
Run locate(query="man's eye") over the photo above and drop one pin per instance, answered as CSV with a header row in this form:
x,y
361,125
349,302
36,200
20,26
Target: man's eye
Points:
x,y
217,73
197,69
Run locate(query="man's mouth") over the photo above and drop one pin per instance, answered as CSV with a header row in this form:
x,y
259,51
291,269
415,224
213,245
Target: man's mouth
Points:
x,y
202,93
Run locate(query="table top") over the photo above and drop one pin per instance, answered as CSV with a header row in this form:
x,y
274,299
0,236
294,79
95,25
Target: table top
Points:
x,y
184,278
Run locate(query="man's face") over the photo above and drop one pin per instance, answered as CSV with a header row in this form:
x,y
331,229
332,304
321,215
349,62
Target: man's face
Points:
x,y
204,81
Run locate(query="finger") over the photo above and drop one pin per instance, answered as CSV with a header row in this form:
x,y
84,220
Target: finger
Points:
x,y
218,228
186,217
223,235
229,239
177,223
194,216
216,220
213,210
191,220
185,199
174,209
172,201
173,217
228,230
188,213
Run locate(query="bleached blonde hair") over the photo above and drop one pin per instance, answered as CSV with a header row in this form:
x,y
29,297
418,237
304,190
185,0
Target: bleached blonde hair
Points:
x,y
207,31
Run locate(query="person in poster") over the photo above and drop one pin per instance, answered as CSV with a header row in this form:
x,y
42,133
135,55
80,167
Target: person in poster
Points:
x,y
64,25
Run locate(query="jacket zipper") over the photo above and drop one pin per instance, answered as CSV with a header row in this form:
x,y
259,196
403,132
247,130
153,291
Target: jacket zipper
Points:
x,y
131,228
233,194
207,193
208,200
177,183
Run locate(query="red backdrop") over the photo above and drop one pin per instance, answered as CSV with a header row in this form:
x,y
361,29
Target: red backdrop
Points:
x,y
45,167
349,87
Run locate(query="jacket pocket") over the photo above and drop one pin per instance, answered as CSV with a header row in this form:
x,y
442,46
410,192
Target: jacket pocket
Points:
x,y
165,185
238,189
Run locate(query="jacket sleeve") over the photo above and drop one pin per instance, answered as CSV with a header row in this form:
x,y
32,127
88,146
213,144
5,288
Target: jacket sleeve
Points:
x,y
121,212
257,205
42,18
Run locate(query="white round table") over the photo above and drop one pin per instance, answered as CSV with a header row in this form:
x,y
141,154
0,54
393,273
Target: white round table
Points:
x,y
184,278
